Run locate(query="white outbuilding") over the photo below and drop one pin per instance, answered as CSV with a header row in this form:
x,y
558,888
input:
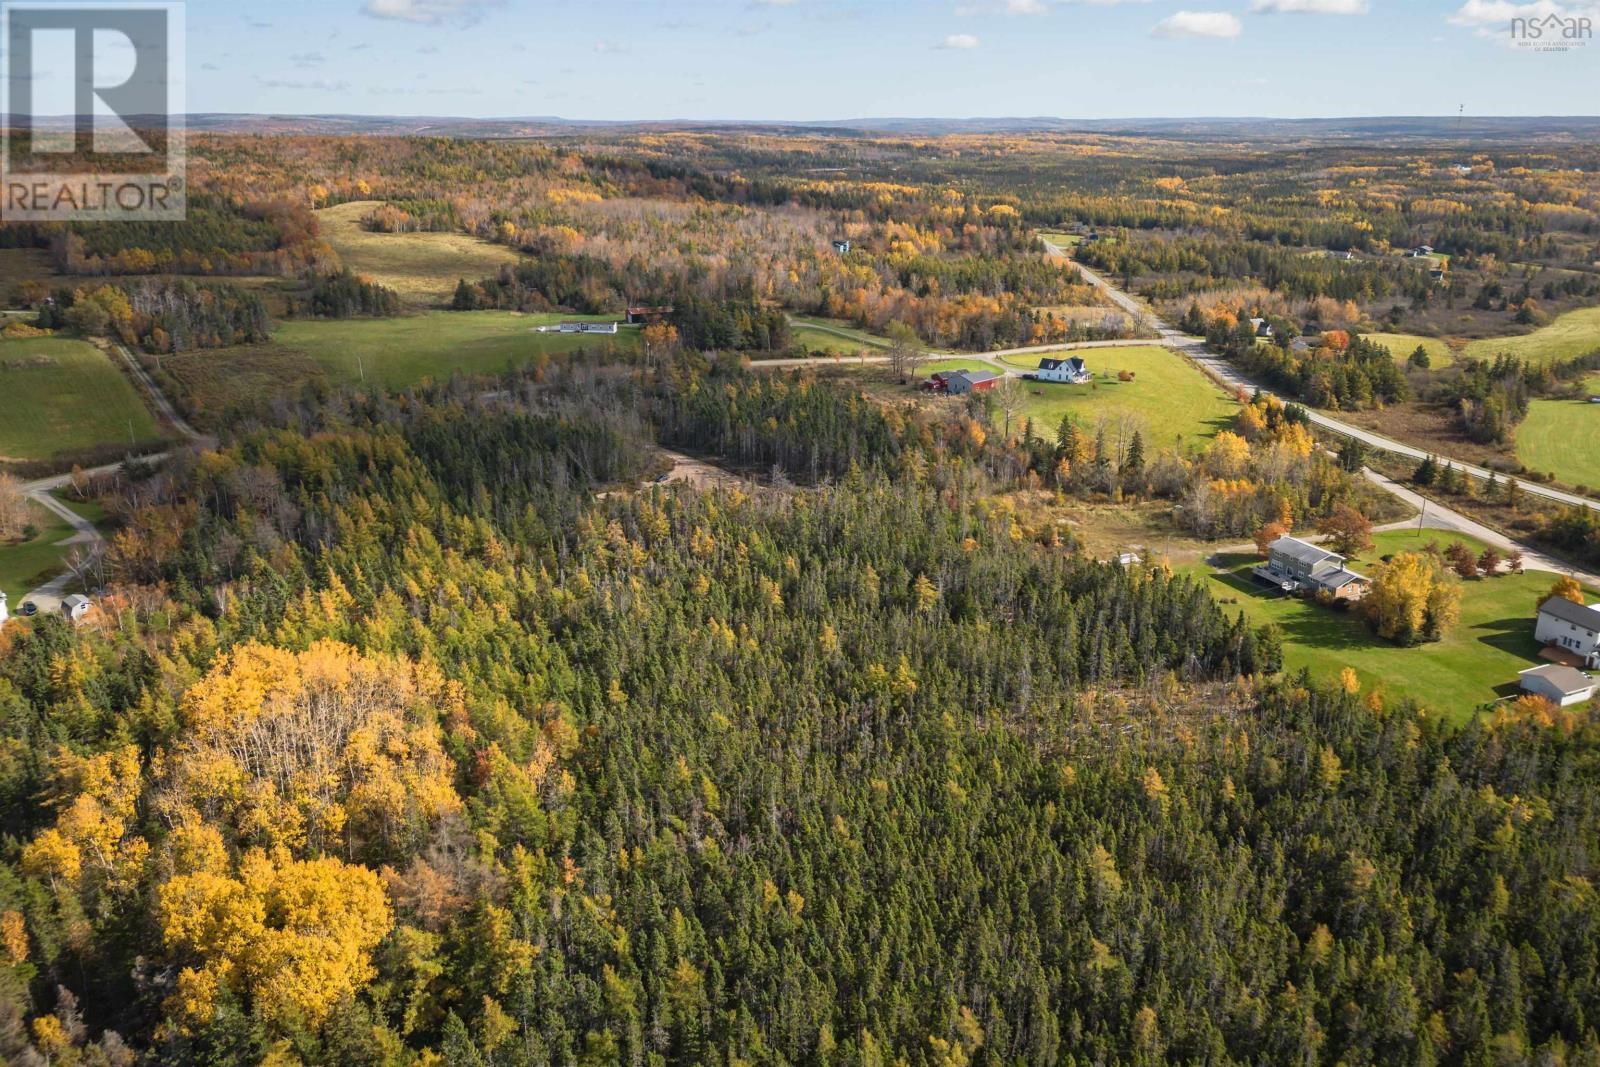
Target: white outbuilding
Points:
x,y
1563,686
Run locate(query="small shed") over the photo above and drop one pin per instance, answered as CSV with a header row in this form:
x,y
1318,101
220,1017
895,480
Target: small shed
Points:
x,y
1561,685
75,606
841,246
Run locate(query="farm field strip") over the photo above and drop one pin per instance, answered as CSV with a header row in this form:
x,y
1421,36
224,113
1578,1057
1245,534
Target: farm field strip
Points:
x,y
67,395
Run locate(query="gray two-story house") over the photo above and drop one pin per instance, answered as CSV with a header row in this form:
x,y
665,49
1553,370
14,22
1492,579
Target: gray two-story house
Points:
x,y
1297,566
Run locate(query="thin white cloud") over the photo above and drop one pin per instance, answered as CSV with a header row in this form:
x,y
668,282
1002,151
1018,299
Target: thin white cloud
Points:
x,y
1311,7
1004,7
427,12
1476,13
1198,24
770,3
1490,19
319,84
958,41
610,48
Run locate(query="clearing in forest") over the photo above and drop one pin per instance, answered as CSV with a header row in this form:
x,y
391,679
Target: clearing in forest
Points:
x,y
422,267
1169,399
1476,662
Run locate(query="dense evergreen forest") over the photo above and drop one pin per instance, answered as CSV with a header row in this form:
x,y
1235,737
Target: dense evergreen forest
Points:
x,y
427,727
410,733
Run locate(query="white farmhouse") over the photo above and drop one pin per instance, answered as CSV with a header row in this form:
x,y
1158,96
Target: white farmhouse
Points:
x,y
1573,628
1072,371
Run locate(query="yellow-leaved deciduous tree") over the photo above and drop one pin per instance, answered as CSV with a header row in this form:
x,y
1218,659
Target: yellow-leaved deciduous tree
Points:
x,y
1567,588
321,750
1413,598
290,938
1228,456
91,845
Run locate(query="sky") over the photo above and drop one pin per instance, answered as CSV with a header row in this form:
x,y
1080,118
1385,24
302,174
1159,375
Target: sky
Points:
x,y
838,59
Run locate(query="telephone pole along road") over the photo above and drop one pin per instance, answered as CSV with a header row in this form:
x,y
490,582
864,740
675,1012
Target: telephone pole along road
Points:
x,y
1230,378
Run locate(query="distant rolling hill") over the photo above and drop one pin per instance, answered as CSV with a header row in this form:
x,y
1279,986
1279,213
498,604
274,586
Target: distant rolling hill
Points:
x,y
1445,128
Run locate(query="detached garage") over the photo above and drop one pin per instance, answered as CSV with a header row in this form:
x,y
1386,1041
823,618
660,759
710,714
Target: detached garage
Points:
x,y
1560,685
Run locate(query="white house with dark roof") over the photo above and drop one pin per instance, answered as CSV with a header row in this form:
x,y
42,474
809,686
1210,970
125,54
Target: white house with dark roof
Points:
x,y
1557,683
1072,371
1297,566
1574,628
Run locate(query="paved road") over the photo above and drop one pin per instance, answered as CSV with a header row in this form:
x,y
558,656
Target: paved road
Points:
x,y
1225,373
942,353
1435,516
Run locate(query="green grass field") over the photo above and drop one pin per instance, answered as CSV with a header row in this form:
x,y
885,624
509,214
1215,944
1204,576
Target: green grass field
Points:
x,y
1169,399
838,335
395,352
814,340
934,366
1573,334
1563,437
1476,662
65,395
1063,240
1401,345
26,565
422,267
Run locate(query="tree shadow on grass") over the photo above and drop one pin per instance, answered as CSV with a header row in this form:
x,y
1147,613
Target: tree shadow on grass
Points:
x,y
1511,635
1313,625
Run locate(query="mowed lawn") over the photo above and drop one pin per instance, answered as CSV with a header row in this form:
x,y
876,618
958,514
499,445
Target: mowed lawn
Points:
x,y
422,267
395,352
1168,399
63,395
1401,345
1476,662
1563,437
1573,334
